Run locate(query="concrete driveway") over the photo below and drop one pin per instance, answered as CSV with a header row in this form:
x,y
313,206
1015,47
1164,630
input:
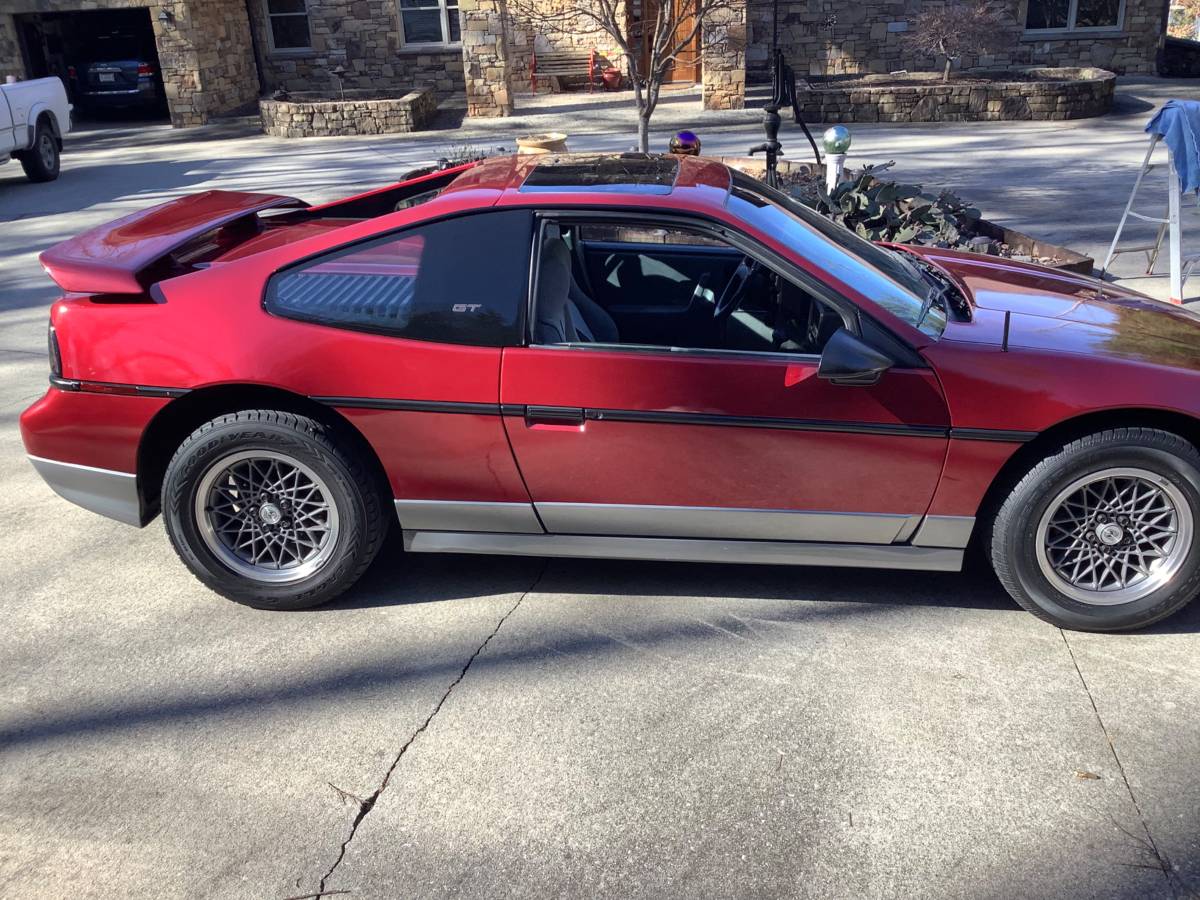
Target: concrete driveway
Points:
x,y
517,727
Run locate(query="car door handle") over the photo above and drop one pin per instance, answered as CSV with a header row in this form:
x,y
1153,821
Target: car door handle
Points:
x,y
553,415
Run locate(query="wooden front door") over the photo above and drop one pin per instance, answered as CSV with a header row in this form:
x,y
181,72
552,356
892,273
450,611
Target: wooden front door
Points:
x,y
686,65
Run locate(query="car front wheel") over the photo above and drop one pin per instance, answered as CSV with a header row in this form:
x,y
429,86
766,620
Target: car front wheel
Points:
x,y
1102,534
266,509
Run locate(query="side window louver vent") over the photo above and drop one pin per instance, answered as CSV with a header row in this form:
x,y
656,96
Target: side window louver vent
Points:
x,y
462,280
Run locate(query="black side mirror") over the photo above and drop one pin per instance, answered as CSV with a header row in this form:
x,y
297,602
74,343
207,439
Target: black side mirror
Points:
x,y
847,360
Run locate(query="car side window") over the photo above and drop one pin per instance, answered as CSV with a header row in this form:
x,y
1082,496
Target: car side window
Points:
x,y
461,280
651,285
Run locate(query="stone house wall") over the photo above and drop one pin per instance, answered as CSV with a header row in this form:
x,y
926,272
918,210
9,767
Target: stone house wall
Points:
x,y
208,48
547,30
865,38
210,41
723,58
204,51
364,38
486,57
10,53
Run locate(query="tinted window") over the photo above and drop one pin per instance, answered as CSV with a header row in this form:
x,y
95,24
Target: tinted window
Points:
x,y
460,281
646,285
883,275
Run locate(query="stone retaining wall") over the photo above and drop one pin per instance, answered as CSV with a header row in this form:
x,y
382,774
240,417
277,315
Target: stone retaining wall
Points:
x,y
1072,94
316,116
362,37
866,36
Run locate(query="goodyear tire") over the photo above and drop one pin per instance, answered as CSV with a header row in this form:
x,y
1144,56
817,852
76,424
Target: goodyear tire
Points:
x,y
267,510
1102,535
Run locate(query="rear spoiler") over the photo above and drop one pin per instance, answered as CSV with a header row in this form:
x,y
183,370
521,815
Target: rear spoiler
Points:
x,y
114,258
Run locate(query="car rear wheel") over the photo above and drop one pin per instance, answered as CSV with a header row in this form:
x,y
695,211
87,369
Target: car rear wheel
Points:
x,y
41,161
1102,534
266,509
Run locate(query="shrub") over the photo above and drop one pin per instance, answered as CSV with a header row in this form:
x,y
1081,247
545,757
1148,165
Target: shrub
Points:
x,y
954,29
880,210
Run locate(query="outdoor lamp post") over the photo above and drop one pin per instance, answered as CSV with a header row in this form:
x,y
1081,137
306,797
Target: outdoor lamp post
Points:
x,y
837,142
339,72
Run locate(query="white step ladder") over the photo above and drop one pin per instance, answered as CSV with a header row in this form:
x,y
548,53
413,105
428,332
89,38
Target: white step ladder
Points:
x,y
1171,225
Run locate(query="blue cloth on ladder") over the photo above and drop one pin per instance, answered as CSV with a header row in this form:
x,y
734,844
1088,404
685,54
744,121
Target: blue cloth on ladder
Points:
x,y
1179,124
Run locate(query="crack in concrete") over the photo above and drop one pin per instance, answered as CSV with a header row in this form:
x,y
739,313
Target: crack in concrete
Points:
x,y
1163,865
368,804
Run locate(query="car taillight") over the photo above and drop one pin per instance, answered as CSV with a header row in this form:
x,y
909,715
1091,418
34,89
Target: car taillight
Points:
x,y
71,72
55,355
145,69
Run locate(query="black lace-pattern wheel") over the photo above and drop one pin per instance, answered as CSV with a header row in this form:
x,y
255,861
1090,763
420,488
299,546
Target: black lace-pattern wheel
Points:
x,y
267,516
1114,536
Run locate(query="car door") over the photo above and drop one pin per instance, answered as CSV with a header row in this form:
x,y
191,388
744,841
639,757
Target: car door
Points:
x,y
718,443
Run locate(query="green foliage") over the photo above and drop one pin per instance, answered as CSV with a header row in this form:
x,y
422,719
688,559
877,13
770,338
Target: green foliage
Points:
x,y
880,210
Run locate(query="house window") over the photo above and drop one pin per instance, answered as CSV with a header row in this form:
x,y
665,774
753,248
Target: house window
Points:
x,y
287,22
430,21
1074,15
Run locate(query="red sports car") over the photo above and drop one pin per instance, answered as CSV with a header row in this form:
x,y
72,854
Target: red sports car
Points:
x,y
620,356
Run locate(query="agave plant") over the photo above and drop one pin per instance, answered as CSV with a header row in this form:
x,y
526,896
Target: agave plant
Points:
x,y
881,210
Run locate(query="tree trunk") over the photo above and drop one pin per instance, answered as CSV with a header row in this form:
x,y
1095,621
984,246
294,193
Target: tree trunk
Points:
x,y
643,109
946,71
644,130
646,109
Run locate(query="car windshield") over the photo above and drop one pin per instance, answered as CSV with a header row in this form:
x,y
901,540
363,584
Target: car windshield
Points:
x,y
117,47
885,276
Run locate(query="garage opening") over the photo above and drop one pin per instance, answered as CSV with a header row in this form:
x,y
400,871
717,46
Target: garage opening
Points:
x,y
108,59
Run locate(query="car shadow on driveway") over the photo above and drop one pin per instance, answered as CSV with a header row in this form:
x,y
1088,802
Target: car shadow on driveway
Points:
x,y
815,597
399,578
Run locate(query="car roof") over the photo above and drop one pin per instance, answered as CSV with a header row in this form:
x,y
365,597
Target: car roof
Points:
x,y
588,178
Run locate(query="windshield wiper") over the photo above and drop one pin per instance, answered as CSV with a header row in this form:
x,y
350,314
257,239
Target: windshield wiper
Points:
x,y
936,292
941,286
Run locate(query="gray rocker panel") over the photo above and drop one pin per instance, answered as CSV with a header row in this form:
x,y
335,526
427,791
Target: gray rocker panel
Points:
x,y
629,520
944,531
781,553
467,515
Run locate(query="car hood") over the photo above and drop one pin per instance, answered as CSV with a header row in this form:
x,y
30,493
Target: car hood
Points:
x,y
1053,309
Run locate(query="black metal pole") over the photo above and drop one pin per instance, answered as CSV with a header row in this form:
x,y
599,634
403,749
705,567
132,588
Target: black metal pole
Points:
x,y
774,28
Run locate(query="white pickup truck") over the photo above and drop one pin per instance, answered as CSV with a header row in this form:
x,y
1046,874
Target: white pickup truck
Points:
x,y
34,116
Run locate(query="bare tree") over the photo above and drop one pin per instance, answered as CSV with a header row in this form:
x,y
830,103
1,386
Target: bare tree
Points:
x,y
670,29
954,29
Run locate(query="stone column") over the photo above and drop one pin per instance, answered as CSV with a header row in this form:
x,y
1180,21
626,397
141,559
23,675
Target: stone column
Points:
x,y
10,54
207,59
486,58
723,55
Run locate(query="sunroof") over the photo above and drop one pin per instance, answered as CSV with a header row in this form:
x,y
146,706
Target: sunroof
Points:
x,y
636,173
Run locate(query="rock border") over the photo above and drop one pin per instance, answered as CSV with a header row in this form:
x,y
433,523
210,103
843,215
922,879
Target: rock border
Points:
x,y
310,114
1060,93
